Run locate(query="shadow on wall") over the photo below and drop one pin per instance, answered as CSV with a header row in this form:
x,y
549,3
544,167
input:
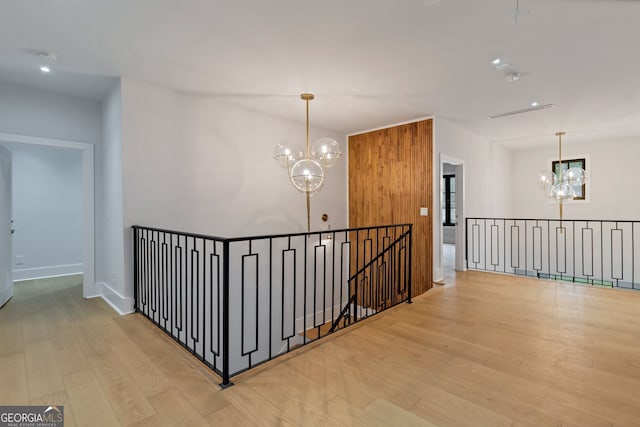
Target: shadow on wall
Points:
x,y
226,160
274,222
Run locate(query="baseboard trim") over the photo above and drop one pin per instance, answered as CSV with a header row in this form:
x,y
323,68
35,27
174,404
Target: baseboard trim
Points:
x,y
47,272
123,305
438,275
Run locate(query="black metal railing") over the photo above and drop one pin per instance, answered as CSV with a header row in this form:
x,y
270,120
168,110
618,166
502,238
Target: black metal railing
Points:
x,y
595,252
236,303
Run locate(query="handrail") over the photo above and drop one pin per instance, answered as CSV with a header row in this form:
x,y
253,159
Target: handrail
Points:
x,y
552,219
346,309
352,299
267,236
381,254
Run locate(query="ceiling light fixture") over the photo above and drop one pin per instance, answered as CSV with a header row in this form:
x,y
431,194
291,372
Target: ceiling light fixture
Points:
x,y
45,69
535,104
512,77
306,168
496,61
560,185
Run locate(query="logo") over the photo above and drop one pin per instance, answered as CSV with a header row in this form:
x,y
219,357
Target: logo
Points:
x,y
32,416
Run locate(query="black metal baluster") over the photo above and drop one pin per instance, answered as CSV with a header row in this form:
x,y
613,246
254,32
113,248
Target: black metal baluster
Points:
x,y
136,262
410,258
633,257
225,316
204,297
271,296
304,306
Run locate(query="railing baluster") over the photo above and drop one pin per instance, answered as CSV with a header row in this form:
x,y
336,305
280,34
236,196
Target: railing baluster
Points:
x,y
136,261
225,317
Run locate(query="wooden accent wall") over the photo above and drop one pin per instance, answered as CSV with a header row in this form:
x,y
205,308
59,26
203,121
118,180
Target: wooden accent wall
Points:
x,y
390,179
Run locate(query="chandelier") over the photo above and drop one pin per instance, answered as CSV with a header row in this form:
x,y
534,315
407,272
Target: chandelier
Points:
x,y
560,185
306,168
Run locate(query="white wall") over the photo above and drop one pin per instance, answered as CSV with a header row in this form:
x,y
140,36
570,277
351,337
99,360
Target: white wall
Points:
x,y
486,177
36,112
614,177
47,209
110,271
198,164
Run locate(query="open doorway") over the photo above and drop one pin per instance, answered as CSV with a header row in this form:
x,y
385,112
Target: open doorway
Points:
x,y
452,216
60,175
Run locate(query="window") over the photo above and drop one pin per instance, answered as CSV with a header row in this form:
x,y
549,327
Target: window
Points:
x,y
448,201
581,190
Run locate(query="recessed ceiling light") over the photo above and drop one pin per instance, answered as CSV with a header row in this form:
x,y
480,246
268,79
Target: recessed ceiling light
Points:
x,y
535,103
496,61
45,69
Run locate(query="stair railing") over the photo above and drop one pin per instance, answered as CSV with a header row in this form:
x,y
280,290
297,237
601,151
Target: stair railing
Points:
x,y
235,303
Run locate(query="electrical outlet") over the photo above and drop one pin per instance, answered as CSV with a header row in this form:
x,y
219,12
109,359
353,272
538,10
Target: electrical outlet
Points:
x,y
19,259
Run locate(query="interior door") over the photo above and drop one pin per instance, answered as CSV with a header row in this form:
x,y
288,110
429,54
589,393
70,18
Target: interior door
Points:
x,y
6,283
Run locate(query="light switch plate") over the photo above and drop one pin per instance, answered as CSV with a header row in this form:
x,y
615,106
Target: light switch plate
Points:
x,y
424,211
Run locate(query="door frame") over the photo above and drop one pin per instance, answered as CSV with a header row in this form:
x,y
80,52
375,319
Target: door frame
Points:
x,y
89,288
6,288
460,264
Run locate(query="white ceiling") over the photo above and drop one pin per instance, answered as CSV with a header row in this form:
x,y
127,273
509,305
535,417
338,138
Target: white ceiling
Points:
x,y
369,62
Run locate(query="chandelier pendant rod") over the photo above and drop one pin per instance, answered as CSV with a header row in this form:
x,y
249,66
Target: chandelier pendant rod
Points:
x,y
307,100
307,193
308,97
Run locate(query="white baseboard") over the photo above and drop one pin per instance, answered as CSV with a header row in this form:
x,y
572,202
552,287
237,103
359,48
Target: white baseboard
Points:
x,y
438,275
121,304
45,272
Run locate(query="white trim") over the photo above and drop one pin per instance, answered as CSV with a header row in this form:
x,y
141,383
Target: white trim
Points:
x,y
121,304
346,181
88,178
46,272
391,125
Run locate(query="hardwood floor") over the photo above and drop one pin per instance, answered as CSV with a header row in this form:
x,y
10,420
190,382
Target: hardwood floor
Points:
x,y
491,350
449,263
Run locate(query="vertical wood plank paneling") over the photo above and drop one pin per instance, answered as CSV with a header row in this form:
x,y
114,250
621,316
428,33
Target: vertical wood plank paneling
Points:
x,y
390,179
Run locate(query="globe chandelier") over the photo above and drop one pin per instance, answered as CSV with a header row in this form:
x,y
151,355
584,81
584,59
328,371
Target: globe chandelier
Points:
x,y
561,186
306,168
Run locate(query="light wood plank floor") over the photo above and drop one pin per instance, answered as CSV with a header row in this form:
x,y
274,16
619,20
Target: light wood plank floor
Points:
x,y
491,350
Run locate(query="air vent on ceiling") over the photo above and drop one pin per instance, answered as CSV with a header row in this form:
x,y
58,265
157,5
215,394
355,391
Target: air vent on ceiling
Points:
x,y
524,110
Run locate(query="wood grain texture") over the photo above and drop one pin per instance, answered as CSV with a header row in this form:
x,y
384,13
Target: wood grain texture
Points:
x,y
490,350
390,179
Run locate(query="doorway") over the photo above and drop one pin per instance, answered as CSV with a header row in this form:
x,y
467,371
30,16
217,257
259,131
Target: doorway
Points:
x,y
451,217
86,151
